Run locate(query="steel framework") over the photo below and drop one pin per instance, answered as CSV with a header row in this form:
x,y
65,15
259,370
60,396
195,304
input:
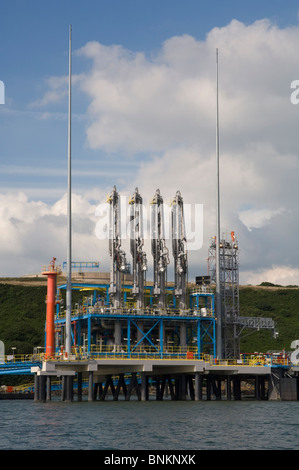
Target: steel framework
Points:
x,y
232,323
152,318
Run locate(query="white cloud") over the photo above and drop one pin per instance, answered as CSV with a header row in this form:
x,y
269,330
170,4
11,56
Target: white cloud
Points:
x,y
163,107
57,90
33,232
253,218
151,104
281,275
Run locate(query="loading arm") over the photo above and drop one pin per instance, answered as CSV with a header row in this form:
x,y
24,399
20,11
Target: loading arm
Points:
x,y
179,250
139,261
117,255
159,250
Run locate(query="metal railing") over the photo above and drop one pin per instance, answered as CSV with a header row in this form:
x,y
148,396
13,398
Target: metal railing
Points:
x,y
20,359
143,352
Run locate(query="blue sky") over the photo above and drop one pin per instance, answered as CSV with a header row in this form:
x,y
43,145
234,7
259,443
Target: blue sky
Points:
x,y
124,53
34,46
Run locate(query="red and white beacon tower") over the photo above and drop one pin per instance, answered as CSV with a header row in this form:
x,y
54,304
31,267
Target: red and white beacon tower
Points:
x,y
51,272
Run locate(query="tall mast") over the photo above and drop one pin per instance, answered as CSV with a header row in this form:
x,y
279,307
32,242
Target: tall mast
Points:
x,y
218,288
69,216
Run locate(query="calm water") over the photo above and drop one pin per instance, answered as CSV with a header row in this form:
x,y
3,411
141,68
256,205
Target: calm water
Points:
x,y
167,425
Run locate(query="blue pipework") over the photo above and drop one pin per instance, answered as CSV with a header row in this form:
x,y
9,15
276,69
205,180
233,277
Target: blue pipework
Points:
x,y
202,325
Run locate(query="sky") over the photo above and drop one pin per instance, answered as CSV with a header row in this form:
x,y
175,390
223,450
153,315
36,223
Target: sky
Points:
x,y
144,115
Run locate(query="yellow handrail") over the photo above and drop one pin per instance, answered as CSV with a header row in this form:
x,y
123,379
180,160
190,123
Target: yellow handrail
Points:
x,y
143,352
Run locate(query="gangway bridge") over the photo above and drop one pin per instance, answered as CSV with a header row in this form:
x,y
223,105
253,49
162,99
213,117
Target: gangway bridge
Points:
x,y
19,366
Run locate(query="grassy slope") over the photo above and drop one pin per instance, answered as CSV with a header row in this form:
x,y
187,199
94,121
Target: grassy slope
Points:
x,y
22,317
280,304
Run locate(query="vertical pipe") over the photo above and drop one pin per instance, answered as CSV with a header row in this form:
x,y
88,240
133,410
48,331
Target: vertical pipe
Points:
x,y
161,339
129,338
89,334
117,336
183,337
218,291
199,339
51,273
51,301
69,212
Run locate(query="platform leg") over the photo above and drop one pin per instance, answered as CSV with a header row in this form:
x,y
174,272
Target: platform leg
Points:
x,y
90,386
79,386
36,387
48,388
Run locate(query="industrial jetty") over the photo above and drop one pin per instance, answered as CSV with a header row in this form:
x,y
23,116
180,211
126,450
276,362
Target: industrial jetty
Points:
x,y
129,336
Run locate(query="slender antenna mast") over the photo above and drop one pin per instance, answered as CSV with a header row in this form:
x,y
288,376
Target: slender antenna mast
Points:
x,y
218,288
69,216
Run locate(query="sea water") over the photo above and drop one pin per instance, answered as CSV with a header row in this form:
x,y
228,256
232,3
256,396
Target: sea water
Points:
x,y
152,425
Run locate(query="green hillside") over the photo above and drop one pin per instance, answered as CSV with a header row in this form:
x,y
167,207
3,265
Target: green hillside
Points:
x,y
23,314
22,317
280,304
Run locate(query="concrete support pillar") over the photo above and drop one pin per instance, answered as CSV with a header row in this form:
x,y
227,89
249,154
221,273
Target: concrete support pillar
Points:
x,y
237,387
263,388
42,388
36,387
184,387
79,386
69,388
198,386
257,387
228,388
90,386
63,385
95,391
218,395
190,387
48,388
144,391
208,383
